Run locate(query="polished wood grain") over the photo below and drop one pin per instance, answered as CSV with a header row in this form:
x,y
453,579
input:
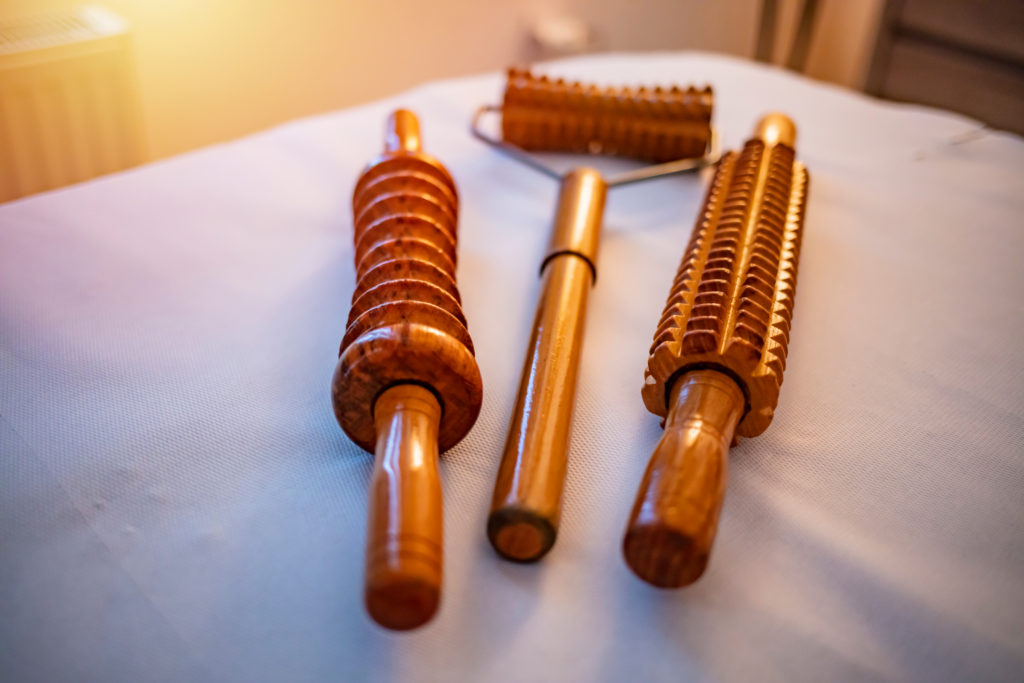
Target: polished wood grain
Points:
x,y
407,385
728,315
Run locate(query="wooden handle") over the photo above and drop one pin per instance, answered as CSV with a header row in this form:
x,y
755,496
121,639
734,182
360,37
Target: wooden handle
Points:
x,y
403,549
528,491
675,516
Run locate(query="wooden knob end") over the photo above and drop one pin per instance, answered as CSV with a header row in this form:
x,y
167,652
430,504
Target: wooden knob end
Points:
x,y
403,582
776,128
520,535
672,527
665,557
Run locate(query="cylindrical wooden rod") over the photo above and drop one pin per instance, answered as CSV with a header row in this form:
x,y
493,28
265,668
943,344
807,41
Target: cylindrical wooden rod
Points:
x,y
527,497
528,490
672,527
403,559
403,132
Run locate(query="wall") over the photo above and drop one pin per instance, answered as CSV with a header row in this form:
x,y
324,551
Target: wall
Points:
x,y
844,38
212,70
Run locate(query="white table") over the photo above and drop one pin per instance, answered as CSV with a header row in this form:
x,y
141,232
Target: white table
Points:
x,y
178,503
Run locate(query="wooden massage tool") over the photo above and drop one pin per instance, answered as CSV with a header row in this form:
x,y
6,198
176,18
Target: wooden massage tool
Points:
x,y
670,127
715,367
407,385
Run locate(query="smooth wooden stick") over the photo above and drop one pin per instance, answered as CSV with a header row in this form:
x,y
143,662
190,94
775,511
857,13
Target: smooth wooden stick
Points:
x,y
672,527
527,499
404,558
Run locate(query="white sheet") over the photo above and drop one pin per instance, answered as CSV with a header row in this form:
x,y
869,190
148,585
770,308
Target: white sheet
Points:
x,y
177,502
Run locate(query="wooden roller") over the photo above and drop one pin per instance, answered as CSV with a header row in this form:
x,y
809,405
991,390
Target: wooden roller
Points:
x,y
649,124
407,385
542,114
715,367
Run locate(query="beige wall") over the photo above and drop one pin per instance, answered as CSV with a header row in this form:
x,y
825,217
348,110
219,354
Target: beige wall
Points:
x,y
212,70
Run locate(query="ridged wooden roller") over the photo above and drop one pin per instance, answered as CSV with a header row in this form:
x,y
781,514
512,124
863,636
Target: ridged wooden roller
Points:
x,y
649,124
407,385
715,367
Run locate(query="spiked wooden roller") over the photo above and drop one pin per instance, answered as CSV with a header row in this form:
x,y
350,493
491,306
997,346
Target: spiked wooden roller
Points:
x,y
542,114
715,367
407,385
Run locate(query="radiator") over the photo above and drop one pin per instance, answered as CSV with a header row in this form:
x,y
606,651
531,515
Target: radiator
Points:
x,y
69,105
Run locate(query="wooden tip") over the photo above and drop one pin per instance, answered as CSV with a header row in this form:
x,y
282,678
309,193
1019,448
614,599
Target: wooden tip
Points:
x,y
520,535
672,527
403,132
405,598
404,537
664,557
776,128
